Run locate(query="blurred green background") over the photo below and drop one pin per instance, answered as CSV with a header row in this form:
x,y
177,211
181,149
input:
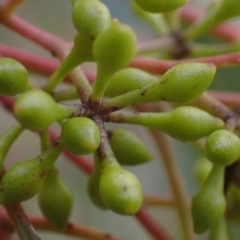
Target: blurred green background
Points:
x,y
55,17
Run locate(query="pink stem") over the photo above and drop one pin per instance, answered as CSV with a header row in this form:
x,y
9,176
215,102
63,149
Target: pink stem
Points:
x,y
6,228
47,40
8,102
160,66
21,222
150,224
38,64
72,229
228,98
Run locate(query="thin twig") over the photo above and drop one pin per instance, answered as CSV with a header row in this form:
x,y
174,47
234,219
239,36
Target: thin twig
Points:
x,y
231,99
41,37
213,105
36,63
159,201
21,222
176,183
6,228
73,230
151,225
10,6
161,66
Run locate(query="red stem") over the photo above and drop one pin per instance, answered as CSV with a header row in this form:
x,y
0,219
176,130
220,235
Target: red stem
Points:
x,y
21,222
160,66
38,64
46,66
228,98
73,230
47,40
35,63
6,228
150,224
7,102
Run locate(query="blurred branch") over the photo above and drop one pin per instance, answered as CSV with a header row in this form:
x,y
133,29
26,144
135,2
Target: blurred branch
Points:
x,y
21,222
73,229
160,201
226,31
9,7
176,183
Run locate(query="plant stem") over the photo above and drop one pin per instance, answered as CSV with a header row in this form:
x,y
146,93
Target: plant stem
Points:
x,y
7,139
228,98
151,225
213,106
200,27
38,64
173,20
163,43
204,50
6,228
226,31
152,200
69,62
73,230
161,66
9,7
176,183
82,162
65,94
47,40
21,222
220,231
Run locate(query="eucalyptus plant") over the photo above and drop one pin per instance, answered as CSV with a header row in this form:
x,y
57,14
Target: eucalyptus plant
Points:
x,y
161,85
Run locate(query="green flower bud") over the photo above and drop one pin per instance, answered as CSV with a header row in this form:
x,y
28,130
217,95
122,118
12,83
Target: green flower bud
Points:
x,y
159,6
35,110
90,17
80,53
6,141
120,190
113,50
25,179
55,200
222,147
13,77
128,148
185,123
80,135
93,185
115,47
180,84
209,204
203,169
127,80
